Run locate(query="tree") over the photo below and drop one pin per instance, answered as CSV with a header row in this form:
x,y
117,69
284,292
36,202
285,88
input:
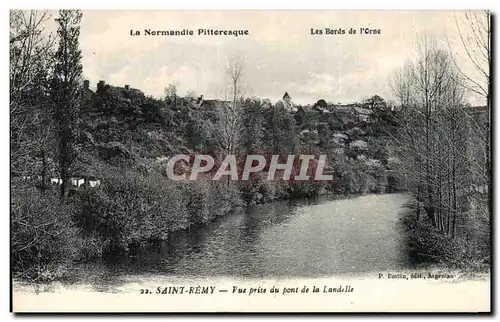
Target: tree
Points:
x,y
253,129
30,49
228,132
66,86
190,95
31,58
235,69
228,129
474,30
375,102
382,119
429,141
401,84
321,103
171,94
280,133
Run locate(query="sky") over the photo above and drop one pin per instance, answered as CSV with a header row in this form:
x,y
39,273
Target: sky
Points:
x,y
280,53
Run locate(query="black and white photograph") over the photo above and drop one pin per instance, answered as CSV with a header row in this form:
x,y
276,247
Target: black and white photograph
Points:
x,y
250,160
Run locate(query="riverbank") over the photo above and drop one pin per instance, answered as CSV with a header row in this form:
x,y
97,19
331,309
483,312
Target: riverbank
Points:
x,y
430,246
346,241
332,234
133,209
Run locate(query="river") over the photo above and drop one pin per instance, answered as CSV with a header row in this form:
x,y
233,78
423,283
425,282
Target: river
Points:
x,y
347,242
320,238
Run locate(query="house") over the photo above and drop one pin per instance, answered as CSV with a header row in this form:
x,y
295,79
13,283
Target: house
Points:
x,y
321,110
359,145
343,109
95,102
321,106
211,104
350,111
307,132
339,139
344,114
87,93
363,114
126,92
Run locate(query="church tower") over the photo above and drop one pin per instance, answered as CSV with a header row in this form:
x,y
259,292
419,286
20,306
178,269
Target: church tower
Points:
x,y
287,98
287,102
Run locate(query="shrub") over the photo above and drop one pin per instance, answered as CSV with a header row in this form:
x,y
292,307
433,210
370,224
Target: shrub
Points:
x,y
135,209
359,175
305,189
44,239
435,246
131,208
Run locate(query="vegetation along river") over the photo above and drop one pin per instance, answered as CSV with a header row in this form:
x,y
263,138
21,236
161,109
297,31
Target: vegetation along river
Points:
x,y
318,238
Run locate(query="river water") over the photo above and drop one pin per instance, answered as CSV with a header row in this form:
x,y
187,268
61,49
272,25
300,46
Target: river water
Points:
x,y
318,238
334,243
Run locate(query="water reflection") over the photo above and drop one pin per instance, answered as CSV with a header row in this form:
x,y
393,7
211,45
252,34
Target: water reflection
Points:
x,y
286,239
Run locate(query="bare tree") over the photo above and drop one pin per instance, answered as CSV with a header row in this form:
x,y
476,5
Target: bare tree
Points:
x,y
171,94
31,58
190,94
400,83
430,140
235,71
30,49
474,36
228,129
229,117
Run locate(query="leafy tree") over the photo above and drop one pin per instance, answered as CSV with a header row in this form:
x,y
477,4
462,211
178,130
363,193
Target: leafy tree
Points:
x,y
321,103
66,90
280,134
375,102
253,130
382,119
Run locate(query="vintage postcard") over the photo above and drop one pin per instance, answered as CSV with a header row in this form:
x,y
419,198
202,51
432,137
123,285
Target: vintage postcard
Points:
x,y
250,161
